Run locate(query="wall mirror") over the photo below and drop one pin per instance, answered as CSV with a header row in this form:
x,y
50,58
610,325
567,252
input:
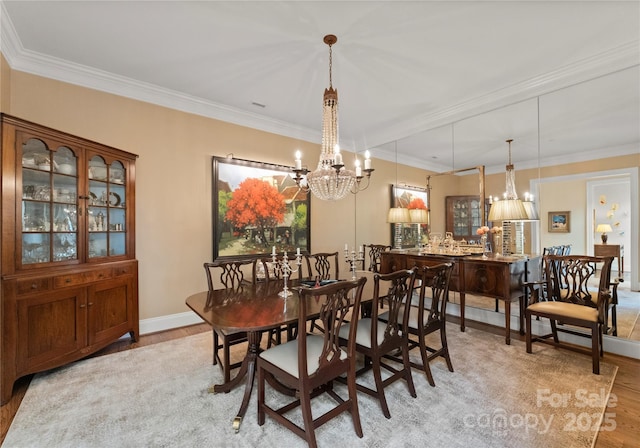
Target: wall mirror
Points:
x,y
533,123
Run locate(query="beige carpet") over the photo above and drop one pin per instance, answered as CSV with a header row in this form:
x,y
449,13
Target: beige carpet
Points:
x,y
155,396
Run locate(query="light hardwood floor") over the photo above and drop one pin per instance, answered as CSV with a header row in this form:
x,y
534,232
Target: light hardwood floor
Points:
x,y
626,386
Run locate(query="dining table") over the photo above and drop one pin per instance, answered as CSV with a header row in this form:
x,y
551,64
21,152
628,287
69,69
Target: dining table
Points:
x,y
256,308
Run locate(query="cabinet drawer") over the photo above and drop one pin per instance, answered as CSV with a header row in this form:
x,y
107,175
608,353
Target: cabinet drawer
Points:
x,y
81,278
120,271
431,261
485,279
33,285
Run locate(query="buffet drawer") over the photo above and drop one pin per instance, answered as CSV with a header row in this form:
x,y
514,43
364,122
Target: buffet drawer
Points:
x,y
29,286
81,278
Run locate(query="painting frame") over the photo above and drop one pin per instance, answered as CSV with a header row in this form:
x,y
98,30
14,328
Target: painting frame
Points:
x,y
559,222
401,196
236,233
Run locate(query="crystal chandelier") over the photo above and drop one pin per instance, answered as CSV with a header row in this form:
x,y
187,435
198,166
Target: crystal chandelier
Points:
x,y
331,181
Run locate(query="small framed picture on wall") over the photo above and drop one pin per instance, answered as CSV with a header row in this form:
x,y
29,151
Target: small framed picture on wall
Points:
x,y
559,222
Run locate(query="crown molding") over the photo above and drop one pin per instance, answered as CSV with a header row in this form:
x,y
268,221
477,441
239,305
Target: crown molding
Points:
x,y
611,61
21,59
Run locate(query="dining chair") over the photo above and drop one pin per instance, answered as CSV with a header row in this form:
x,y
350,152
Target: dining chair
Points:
x,y
232,275
308,365
429,315
374,255
571,303
381,335
322,266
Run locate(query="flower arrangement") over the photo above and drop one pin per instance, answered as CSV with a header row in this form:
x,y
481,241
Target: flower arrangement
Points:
x,y
484,230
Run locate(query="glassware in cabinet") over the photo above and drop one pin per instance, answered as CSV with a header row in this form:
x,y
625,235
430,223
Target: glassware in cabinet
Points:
x,y
49,223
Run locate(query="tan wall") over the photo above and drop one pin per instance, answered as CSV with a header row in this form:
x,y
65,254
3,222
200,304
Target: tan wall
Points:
x,y
5,84
173,190
174,179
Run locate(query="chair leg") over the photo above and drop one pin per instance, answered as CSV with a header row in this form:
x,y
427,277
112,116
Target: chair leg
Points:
x,y
614,320
215,347
554,330
601,335
353,397
261,395
407,370
445,348
595,349
425,361
377,376
307,418
227,362
527,322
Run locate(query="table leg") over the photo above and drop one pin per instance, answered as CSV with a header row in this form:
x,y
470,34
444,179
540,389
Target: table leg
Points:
x,y
247,371
522,300
462,326
507,321
621,268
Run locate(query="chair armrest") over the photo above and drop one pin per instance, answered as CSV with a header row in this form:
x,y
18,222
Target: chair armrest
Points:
x,y
534,291
614,291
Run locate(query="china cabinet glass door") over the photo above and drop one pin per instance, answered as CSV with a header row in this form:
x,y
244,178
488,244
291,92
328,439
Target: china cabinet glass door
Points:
x,y
49,198
106,218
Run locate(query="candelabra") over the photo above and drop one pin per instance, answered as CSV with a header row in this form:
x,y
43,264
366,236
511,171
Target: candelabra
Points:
x,y
286,270
353,260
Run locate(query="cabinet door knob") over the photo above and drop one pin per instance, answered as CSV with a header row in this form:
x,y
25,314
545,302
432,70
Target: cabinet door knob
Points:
x,y
82,305
68,280
90,304
34,286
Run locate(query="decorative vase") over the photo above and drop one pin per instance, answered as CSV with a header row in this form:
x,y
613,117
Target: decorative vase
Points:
x,y
497,243
483,242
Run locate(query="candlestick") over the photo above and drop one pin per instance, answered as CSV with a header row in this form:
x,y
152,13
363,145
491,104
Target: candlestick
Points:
x,y
358,169
337,158
353,260
298,160
367,160
286,270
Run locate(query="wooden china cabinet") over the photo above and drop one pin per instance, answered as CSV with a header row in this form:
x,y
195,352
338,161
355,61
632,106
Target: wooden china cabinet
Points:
x,y
464,216
69,274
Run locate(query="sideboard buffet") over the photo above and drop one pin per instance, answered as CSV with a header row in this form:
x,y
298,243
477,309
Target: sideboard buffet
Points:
x,y
69,283
499,277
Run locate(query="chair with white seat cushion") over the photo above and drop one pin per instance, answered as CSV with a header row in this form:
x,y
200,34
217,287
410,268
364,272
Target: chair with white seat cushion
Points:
x,y
308,365
429,316
379,336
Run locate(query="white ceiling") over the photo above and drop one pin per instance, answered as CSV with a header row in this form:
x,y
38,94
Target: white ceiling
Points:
x,y
448,81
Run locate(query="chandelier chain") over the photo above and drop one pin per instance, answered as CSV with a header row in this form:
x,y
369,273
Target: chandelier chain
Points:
x,y
330,66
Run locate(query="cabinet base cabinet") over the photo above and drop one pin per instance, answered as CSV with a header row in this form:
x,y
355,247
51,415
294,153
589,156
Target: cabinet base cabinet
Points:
x,y
47,326
69,274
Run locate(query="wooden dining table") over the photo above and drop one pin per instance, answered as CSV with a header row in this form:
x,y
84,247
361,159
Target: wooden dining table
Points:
x,y
254,308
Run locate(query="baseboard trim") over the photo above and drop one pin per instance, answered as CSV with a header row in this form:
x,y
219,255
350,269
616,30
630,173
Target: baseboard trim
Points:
x,y
618,346
611,344
169,322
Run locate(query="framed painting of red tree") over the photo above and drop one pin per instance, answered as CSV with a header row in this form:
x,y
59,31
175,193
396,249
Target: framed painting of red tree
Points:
x,y
257,206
